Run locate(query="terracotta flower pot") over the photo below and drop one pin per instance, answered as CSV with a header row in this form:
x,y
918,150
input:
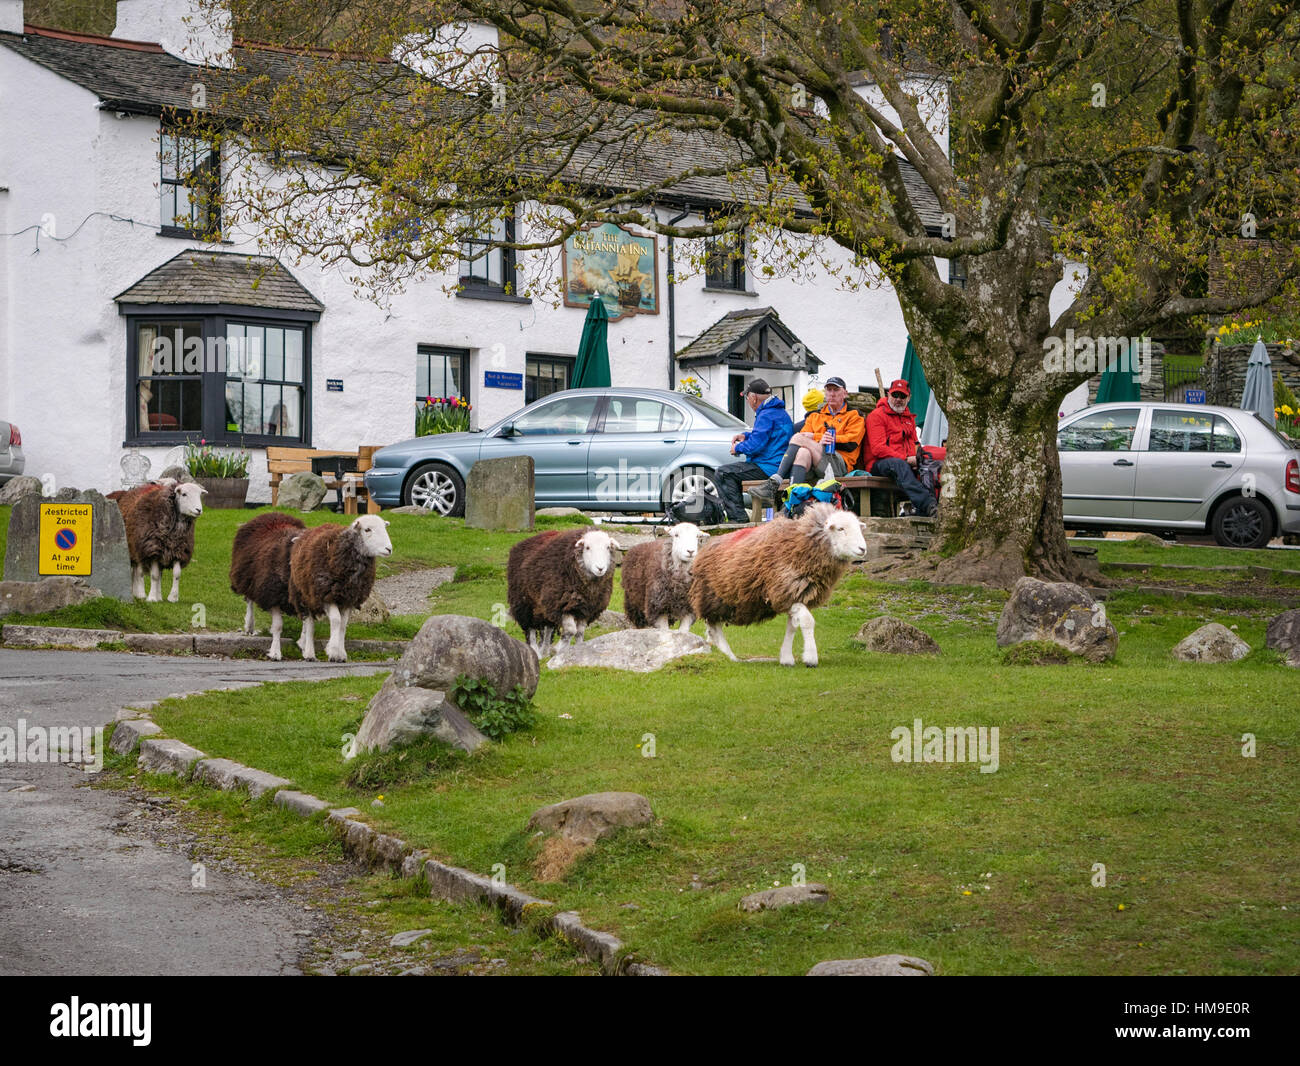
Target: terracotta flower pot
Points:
x,y
224,493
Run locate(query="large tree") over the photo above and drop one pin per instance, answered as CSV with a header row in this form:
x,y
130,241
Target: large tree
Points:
x,y
1154,141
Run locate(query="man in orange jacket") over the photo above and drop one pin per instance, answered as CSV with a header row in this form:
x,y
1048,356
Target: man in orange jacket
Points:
x,y
812,450
891,445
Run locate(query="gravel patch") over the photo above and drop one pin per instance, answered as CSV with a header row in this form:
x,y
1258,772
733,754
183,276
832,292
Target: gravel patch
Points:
x,y
408,592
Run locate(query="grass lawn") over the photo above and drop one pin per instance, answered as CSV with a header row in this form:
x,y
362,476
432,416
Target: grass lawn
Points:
x,y
1136,765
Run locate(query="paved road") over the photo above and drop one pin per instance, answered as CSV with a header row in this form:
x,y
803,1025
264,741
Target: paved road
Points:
x,y
81,892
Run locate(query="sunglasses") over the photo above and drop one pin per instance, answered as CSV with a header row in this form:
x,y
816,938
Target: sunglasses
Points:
x,y
899,395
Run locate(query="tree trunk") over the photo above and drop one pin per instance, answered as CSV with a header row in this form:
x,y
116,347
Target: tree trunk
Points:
x,y
1000,510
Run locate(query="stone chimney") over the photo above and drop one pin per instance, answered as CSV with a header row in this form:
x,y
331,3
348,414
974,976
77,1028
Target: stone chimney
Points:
x,y
197,31
11,16
460,55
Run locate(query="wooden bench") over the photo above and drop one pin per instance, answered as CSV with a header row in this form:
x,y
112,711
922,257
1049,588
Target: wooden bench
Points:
x,y
281,462
862,484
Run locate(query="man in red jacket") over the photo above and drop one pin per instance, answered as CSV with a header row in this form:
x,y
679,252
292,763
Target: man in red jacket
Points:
x,y
891,445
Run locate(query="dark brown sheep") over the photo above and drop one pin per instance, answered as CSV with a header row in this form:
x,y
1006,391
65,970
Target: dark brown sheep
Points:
x,y
657,579
757,573
259,569
159,522
331,572
559,581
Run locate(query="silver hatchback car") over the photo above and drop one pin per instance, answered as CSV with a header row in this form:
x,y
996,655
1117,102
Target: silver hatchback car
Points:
x,y
1179,467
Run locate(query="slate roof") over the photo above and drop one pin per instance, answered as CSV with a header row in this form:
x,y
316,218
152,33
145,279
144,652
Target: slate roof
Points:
x,y
140,78
727,341
198,276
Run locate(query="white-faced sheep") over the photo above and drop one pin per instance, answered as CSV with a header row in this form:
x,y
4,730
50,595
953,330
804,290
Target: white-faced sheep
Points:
x,y
657,578
159,522
259,568
559,581
757,573
331,572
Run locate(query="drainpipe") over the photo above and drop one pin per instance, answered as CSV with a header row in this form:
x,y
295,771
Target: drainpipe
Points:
x,y
672,306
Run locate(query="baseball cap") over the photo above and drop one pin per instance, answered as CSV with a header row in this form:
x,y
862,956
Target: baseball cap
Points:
x,y
759,387
900,385
836,382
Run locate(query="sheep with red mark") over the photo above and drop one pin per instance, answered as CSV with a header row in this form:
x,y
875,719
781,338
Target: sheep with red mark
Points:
x,y
259,569
559,582
784,566
159,520
657,579
331,572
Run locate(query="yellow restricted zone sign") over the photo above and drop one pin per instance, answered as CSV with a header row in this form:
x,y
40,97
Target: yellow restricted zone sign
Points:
x,y
65,538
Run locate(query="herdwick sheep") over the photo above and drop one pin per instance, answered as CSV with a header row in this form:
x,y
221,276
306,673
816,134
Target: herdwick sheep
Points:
x,y
757,573
657,579
559,581
331,572
259,569
159,522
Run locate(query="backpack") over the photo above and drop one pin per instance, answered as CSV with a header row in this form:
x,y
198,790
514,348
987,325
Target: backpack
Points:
x,y
928,471
798,497
700,508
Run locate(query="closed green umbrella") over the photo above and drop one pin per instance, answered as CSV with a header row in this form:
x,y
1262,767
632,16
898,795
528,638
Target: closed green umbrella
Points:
x,y
591,371
914,374
1118,383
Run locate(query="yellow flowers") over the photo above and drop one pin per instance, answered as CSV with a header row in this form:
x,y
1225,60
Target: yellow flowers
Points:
x,y
1120,907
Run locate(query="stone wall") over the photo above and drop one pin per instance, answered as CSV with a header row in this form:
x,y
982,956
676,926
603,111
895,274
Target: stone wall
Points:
x,y
1224,374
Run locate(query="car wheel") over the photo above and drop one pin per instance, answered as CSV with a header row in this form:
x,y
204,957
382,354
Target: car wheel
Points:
x,y
1242,522
687,482
436,487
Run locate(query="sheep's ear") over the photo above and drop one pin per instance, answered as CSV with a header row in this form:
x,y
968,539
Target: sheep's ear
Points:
x,y
387,523
202,491
616,545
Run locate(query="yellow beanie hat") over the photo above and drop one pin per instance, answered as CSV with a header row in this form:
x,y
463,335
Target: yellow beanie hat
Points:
x,y
813,399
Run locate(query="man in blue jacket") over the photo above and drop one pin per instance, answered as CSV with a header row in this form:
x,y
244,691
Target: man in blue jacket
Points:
x,y
763,446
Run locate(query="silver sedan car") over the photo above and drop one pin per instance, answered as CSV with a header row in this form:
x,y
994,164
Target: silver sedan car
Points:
x,y
1179,467
612,449
12,461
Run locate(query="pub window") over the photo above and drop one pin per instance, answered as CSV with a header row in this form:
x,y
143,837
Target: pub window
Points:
x,y
264,380
441,373
724,262
190,185
545,374
485,267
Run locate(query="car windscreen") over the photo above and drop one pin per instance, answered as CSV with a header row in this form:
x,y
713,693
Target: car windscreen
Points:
x,y
712,415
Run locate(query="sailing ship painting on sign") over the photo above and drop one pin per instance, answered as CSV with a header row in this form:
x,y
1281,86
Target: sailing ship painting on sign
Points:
x,y
609,263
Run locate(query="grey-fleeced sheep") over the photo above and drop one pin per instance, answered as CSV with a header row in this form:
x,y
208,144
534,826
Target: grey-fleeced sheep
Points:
x,y
331,572
259,569
559,582
159,522
757,573
657,579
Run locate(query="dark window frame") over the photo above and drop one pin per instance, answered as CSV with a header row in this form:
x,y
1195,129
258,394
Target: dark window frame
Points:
x,y
208,173
724,271
424,351
213,403
568,362
471,282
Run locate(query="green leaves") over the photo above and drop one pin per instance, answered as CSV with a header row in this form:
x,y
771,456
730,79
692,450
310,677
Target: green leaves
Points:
x,y
495,715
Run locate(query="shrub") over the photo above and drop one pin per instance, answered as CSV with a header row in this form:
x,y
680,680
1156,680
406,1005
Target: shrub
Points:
x,y
495,715
202,461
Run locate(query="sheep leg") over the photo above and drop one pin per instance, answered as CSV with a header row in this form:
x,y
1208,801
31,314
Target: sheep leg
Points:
x,y
688,620
155,583
334,648
137,581
662,622
787,644
582,630
719,640
568,632
307,642
804,620
248,617
277,625
175,593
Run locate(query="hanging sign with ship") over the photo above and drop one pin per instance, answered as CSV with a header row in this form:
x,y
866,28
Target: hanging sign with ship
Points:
x,y
613,264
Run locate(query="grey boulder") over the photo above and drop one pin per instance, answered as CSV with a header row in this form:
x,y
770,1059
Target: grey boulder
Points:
x,y
1283,634
586,819
1060,612
785,896
48,594
895,637
397,716
373,612
1212,643
16,488
499,493
303,491
110,566
638,650
877,966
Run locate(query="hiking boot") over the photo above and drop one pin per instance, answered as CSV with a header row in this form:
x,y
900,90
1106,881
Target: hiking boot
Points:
x,y
768,491
906,509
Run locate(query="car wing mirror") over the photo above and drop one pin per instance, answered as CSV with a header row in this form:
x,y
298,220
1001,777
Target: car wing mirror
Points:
x,y
508,430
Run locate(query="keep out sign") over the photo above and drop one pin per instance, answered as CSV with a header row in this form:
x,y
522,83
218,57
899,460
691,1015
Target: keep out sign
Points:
x,y
65,538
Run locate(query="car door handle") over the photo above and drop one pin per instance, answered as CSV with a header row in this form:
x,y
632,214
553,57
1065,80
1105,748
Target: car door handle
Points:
x,y
1123,462
1221,465
670,440
576,442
